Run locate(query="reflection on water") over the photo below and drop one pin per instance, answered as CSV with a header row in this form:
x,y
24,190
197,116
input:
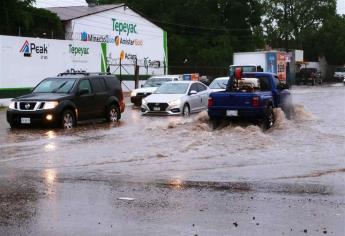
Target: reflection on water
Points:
x,y
50,176
51,134
50,147
176,183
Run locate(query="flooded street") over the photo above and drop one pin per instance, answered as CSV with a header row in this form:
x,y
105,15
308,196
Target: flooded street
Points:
x,y
180,177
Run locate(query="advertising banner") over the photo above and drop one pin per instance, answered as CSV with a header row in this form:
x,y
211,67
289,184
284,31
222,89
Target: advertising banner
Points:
x,y
271,62
27,61
281,66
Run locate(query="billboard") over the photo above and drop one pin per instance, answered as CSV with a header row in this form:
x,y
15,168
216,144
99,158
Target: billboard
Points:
x,y
26,61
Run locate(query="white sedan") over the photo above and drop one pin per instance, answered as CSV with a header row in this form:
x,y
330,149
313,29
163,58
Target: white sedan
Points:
x,y
177,98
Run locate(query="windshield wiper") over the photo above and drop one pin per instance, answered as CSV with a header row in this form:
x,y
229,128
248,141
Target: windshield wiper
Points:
x,y
63,84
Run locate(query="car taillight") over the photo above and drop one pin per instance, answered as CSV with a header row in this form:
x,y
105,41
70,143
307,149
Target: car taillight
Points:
x,y
210,102
255,101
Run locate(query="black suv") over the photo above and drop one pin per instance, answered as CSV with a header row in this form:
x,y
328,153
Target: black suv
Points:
x,y
68,98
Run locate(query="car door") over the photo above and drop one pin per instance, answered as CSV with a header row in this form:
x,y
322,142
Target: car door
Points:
x,y
85,100
203,93
193,99
101,95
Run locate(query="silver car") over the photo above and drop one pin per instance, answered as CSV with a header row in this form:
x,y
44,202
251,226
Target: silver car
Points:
x,y
177,98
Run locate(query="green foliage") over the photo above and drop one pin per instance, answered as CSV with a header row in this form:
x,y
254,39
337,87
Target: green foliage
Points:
x,y
19,17
331,40
294,20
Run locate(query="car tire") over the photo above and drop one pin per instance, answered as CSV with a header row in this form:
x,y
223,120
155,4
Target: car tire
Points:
x,y
269,118
68,120
186,110
113,114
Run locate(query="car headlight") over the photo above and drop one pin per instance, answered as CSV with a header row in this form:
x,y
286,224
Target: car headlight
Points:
x,y
143,102
12,105
175,103
50,105
133,93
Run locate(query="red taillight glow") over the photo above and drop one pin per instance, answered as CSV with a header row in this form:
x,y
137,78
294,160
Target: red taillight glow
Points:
x,y
255,101
210,102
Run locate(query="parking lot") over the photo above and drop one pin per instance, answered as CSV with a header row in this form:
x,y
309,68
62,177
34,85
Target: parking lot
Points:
x,y
179,174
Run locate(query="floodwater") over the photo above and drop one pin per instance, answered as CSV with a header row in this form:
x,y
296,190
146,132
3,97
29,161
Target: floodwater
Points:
x,y
301,160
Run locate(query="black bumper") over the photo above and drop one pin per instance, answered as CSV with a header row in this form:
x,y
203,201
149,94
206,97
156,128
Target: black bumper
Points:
x,y
36,117
138,98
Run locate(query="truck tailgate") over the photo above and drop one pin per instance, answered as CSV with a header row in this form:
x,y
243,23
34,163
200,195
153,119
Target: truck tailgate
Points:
x,y
232,100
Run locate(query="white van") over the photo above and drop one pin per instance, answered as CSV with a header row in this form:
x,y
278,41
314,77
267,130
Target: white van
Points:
x,y
339,74
150,86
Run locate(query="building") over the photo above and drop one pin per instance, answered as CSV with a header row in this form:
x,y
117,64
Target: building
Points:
x,y
129,37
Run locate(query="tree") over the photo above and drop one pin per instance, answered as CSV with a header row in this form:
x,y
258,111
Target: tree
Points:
x,y
331,38
20,18
286,21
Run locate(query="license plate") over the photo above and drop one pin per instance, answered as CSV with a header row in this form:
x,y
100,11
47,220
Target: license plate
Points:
x,y
25,120
156,108
231,113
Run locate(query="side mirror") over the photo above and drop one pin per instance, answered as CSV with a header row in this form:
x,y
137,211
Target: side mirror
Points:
x,y
83,91
142,86
193,92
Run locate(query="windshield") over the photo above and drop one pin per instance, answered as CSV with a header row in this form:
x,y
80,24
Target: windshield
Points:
x,y
340,69
55,86
243,68
219,84
173,88
156,82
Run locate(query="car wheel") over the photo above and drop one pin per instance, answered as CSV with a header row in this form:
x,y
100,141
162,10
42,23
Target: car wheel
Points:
x,y
269,118
68,119
186,110
113,114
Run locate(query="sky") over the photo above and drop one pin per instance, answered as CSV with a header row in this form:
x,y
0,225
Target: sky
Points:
x,y
61,3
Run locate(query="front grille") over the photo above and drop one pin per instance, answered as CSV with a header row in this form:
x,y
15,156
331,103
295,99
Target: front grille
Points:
x,y
27,106
162,106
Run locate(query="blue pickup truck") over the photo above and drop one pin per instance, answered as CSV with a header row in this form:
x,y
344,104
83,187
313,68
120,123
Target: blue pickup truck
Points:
x,y
252,96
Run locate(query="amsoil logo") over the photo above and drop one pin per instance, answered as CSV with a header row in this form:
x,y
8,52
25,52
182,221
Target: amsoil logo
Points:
x,y
29,48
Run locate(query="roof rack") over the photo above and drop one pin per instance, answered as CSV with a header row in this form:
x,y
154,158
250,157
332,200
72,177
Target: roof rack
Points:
x,y
84,73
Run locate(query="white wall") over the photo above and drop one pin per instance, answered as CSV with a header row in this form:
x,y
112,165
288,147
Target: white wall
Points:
x,y
150,36
250,58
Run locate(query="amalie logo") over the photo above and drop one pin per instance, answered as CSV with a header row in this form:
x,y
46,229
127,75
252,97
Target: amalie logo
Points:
x,y
29,48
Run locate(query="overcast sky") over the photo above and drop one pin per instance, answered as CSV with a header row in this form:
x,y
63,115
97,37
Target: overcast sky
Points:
x,y
60,3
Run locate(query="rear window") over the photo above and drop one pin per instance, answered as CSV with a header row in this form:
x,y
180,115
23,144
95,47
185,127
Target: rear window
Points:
x,y
98,84
308,70
340,69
